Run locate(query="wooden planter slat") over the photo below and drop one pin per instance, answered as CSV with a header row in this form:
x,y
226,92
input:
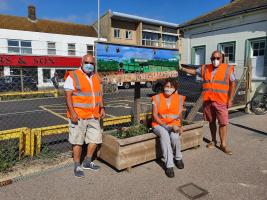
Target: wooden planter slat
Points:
x,y
125,153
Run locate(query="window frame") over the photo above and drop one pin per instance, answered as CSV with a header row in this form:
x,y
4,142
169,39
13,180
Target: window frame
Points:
x,y
146,41
49,48
193,54
131,34
72,49
221,48
21,48
119,33
92,52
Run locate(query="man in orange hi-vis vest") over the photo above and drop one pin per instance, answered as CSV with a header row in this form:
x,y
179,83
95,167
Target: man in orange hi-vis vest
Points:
x,y
85,108
218,92
167,124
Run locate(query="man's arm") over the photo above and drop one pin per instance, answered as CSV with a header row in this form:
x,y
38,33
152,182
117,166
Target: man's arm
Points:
x,y
73,114
188,71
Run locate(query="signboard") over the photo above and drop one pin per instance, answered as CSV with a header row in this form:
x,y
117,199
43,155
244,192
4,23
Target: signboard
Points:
x,y
137,77
43,61
132,59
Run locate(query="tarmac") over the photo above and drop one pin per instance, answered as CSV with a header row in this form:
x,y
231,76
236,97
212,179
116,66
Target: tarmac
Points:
x,y
241,176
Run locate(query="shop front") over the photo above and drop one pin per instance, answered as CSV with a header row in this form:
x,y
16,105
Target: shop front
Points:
x,y
39,68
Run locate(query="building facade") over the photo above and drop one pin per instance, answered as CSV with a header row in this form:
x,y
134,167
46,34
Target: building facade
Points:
x,y
239,29
39,48
129,29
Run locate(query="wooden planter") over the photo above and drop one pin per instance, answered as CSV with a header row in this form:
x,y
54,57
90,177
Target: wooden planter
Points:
x,y
125,153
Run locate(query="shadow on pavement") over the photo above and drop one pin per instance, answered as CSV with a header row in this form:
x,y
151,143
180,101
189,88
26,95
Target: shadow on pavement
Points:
x,y
248,128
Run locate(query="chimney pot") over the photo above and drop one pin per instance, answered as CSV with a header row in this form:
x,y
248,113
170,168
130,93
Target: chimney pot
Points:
x,y
31,13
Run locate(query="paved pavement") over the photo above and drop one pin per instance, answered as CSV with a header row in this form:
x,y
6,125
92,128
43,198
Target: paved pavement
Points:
x,y
242,176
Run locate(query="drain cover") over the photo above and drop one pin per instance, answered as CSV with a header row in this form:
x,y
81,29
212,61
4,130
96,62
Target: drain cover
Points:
x,y
192,191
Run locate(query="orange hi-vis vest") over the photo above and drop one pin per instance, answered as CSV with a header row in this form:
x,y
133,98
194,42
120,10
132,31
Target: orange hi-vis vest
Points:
x,y
216,88
86,98
169,115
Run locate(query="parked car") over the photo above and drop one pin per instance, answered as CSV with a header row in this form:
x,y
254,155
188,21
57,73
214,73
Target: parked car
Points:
x,y
13,83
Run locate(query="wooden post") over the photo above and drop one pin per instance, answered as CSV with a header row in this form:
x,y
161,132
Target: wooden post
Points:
x,y
137,103
248,86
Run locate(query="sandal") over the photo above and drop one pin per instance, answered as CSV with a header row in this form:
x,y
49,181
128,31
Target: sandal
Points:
x,y
211,145
225,150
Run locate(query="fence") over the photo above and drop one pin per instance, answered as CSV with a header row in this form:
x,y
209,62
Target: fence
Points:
x,y
46,135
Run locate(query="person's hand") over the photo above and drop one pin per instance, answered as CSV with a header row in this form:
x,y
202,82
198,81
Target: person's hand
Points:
x,y
177,129
229,103
74,117
180,68
102,113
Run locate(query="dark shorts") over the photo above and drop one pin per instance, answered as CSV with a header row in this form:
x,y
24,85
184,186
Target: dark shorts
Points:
x,y
213,110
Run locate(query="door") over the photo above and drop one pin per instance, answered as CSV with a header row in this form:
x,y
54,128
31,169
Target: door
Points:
x,y
199,58
257,54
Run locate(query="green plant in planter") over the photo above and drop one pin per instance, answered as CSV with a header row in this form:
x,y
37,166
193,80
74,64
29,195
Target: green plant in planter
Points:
x,y
132,131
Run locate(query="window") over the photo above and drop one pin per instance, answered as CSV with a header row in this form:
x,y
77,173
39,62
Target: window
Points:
x,y
90,49
116,33
19,46
71,50
229,50
258,48
128,35
198,55
150,39
169,41
46,75
51,48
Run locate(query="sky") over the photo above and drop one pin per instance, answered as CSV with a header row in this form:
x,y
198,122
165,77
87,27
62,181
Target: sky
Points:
x,y
85,11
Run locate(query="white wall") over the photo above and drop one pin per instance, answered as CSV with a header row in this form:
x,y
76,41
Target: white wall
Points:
x,y
39,41
238,29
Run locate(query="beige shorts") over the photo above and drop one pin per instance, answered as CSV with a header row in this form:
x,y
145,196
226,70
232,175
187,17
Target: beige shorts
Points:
x,y
86,130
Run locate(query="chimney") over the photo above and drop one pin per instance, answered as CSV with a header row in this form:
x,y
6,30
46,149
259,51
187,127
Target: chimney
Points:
x,y
31,13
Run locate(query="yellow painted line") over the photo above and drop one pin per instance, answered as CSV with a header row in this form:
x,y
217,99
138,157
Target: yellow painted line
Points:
x,y
54,113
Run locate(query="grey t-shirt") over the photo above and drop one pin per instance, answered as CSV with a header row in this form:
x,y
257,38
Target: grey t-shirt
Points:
x,y
232,75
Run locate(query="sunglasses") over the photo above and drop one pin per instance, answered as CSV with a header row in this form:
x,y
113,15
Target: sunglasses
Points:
x,y
215,58
92,63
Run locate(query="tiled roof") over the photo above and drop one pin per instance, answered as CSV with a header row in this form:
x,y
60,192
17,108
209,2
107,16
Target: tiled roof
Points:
x,y
46,26
234,8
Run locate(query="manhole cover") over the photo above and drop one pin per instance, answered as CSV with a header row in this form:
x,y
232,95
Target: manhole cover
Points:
x,y
192,191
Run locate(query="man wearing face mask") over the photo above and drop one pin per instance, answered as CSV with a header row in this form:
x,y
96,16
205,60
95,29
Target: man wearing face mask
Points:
x,y
167,124
85,108
218,92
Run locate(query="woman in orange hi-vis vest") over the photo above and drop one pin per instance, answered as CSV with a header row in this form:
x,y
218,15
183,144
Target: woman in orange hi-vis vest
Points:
x,y
218,93
167,124
85,107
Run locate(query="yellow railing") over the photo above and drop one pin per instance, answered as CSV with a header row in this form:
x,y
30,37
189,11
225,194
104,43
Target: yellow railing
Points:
x,y
7,94
37,133
30,140
23,135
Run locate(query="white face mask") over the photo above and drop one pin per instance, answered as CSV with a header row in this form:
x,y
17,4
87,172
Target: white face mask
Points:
x,y
216,63
169,91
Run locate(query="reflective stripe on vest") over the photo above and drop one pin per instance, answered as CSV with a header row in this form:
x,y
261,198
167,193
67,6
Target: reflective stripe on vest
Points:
x,y
214,90
78,86
86,94
85,105
224,82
